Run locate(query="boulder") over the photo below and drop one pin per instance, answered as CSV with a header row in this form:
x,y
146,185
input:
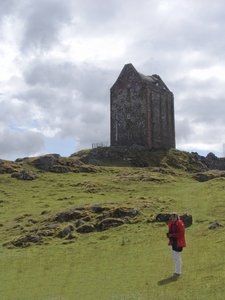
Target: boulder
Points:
x,y
46,162
187,219
165,217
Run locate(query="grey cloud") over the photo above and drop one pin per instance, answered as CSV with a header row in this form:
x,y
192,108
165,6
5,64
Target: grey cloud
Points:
x,y
43,98
7,7
92,18
74,99
183,129
98,12
201,100
13,143
14,112
63,75
204,110
43,21
171,41
91,82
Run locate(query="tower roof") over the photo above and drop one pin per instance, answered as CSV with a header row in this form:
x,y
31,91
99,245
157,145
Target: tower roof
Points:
x,y
149,79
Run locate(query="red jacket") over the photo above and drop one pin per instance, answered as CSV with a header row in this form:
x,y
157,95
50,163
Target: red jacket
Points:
x,y
179,234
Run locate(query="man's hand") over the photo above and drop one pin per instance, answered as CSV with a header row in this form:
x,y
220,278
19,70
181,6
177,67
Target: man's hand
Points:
x,y
169,235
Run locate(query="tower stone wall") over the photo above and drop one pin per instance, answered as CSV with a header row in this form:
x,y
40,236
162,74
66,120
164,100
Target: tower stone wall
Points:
x,y
141,111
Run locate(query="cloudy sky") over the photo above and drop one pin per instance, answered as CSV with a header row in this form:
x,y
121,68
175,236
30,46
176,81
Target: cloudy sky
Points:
x,y
59,58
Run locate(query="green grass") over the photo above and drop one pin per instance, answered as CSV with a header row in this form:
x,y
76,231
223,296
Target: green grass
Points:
x,y
130,262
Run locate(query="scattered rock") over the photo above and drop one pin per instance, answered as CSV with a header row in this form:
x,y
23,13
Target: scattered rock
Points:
x,y
97,208
79,223
215,225
24,175
121,212
25,240
45,233
72,214
126,220
109,223
86,228
66,231
71,237
84,219
163,217
51,226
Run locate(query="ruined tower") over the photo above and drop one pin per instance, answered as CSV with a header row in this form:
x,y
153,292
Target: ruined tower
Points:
x,y
141,111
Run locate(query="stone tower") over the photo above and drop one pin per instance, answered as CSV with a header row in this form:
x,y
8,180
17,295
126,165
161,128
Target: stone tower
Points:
x,y
141,111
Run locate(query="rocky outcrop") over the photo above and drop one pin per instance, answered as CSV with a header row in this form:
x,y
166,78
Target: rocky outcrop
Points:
x,y
57,164
71,214
83,219
211,161
24,241
68,224
24,175
86,160
206,176
46,162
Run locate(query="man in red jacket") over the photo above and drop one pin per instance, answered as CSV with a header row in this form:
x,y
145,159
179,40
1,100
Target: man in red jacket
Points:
x,y
177,241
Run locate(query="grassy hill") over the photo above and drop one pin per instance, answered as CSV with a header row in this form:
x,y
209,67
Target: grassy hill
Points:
x,y
129,261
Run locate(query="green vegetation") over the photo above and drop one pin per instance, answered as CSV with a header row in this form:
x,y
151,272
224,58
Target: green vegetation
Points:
x,y
128,262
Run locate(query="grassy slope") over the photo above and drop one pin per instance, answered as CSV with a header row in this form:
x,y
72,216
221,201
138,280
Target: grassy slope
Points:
x,y
127,262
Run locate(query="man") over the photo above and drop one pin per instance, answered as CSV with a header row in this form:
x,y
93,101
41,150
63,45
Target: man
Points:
x,y
177,241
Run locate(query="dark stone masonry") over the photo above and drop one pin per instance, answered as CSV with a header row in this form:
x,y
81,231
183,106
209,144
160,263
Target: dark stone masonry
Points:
x,y
141,111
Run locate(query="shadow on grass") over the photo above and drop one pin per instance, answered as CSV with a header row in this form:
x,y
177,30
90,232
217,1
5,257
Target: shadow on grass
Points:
x,y
167,280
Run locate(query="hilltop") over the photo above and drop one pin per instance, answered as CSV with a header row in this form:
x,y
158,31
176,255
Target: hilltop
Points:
x,y
93,159
98,219
130,164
